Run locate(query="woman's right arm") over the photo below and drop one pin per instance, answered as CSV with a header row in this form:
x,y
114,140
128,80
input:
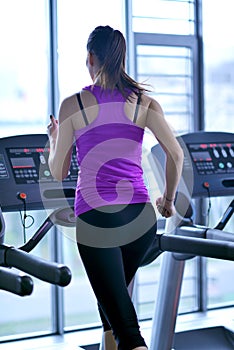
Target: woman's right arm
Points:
x,y
174,156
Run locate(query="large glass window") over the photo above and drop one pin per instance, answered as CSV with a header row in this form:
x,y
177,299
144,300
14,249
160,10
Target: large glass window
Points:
x,y
23,67
75,23
219,111
218,65
24,76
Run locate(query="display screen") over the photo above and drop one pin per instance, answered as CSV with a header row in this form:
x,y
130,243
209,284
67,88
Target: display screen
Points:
x,y
25,162
30,165
201,156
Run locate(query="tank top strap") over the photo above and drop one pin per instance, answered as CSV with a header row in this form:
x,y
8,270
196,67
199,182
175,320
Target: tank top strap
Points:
x,y
137,107
82,108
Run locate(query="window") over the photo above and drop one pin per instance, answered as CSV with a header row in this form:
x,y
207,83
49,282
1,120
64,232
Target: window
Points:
x,y
75,23
219,111
24,70
168,69
24,109
218,66
163,16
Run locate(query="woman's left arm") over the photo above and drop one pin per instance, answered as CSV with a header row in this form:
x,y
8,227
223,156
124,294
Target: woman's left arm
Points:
x,y
61,138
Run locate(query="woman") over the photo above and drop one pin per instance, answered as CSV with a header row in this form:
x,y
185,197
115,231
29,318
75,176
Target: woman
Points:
x,y
116,222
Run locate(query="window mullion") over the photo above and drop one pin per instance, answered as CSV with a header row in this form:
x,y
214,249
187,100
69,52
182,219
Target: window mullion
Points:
x,y
56,241
53,57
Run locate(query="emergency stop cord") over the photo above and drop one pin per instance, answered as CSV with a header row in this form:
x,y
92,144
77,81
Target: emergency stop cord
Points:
x,y
206,185
22,197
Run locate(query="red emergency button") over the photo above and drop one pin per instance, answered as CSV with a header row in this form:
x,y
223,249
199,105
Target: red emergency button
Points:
x,y
22,196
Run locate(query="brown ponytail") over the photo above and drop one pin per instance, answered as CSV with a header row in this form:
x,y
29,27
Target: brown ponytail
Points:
x,y
110,48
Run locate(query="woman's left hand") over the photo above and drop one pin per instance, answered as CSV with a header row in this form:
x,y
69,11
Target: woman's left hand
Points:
x,y
165,208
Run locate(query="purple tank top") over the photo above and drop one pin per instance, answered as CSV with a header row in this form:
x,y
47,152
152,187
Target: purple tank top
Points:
x,y
109,154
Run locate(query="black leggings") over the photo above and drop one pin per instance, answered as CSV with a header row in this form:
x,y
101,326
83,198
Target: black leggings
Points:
x,y
110,271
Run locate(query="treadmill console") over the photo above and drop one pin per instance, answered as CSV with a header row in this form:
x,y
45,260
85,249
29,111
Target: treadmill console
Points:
x,y
212,158
30,165
24,168
209,159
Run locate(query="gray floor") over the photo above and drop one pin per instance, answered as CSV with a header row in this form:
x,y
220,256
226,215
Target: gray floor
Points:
x,y
51,343
215,338
199,330
68,341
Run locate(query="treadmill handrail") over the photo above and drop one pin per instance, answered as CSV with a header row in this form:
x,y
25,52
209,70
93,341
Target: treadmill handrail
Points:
x,y
226,216
197,246
14,283
46,271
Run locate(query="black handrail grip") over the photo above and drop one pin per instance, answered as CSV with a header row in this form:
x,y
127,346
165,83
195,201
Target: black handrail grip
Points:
x,y
12,282
46,271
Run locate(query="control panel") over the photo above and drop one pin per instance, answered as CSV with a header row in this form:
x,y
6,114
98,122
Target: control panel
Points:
x,y
213,158
208,162
24,168
30,165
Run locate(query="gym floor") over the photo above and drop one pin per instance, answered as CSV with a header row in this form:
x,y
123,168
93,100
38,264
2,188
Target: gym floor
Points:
x,y
72,340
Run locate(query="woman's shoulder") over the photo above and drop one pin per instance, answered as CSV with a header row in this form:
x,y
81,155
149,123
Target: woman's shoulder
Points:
x,y
72,100
69,106
147,101
150,102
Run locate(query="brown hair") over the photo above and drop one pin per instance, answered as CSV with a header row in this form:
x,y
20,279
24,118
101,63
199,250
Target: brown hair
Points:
x,y
110,48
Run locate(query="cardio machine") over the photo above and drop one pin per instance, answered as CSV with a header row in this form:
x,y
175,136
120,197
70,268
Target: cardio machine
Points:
x,y
208,171
26,184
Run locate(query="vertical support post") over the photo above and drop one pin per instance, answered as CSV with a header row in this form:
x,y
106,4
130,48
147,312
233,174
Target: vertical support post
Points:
x,y
57,291
201,208
167,303
168,295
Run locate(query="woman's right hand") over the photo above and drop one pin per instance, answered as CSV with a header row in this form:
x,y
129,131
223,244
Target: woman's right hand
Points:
x,y
52,128
165,208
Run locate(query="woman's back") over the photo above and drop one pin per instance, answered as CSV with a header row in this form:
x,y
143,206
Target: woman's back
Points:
x,y
109,150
